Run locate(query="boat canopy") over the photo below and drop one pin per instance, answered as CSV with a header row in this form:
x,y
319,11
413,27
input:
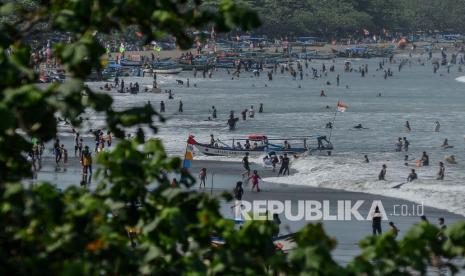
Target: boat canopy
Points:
x,y
255,137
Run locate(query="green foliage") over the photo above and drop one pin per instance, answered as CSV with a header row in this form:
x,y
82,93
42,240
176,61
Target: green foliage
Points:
x,y
135,222
313,255
340,18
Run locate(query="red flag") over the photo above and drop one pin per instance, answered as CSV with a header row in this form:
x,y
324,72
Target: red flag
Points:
x,y
341,107
191,140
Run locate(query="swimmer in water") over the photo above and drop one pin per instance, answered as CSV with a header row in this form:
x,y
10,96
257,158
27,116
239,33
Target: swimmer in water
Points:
x,y
382,173
366,159
412,176
445,144
441,171
359,126
407,126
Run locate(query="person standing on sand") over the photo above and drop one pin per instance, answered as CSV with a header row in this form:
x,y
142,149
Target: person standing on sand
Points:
x,y
376,222
86,161
202,177
76,143
260,109
245,163
382,173
57,151
277,222
255,179
162,107
181,107
64,153
394,230
238,191
109,139
284,166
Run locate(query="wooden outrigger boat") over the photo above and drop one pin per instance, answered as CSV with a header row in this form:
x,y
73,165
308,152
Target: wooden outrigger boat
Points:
x,y
261,144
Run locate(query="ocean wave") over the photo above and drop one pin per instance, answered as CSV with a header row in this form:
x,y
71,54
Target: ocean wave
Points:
x,y
460,79
351,174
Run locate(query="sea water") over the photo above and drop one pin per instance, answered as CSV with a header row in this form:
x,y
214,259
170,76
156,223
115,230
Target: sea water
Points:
x,y
295,108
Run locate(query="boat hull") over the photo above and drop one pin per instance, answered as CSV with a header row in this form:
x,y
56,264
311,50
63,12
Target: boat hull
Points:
x,y
168,71
221,151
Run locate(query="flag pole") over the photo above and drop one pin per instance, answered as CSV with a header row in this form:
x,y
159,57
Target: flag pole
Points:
x,y
332,124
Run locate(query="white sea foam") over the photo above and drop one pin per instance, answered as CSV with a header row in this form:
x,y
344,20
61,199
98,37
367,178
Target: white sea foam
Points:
x,y
460,79
346,173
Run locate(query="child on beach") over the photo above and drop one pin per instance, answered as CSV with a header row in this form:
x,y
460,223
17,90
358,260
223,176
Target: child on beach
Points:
x,y
255,177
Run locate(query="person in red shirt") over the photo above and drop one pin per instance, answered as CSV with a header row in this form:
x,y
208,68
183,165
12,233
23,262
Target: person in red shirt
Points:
x,y
255,177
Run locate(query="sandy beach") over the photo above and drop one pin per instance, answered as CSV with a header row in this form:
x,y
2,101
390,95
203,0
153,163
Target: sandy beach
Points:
x,y
222,177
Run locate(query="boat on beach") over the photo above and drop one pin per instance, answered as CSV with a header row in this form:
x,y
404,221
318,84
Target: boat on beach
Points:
x,y
130,63
167,71
166,67
261,144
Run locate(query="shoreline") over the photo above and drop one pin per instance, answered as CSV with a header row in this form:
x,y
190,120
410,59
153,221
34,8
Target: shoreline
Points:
x,y
224,175
226,169
325,49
